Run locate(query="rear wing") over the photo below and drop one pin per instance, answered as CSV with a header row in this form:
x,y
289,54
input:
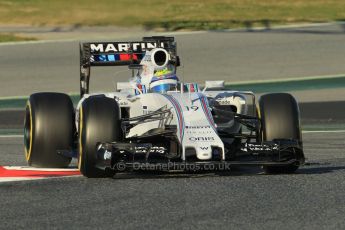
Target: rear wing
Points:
x,y
119,54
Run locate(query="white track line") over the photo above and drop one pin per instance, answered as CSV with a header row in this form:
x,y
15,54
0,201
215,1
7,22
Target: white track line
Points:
x,y
323,131
93,39
28,168
289,79
290,26
11,136
11,179
38,42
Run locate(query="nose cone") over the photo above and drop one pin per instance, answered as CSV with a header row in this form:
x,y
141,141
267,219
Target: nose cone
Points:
x,y
204,152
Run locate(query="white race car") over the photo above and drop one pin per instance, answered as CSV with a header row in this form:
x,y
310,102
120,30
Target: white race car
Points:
x,y
154,121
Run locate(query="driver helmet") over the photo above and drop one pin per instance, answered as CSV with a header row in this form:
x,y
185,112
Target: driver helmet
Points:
x,y
164,80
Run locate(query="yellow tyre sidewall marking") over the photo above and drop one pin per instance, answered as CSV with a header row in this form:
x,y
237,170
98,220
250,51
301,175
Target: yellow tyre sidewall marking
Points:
x,y
80,136
28,153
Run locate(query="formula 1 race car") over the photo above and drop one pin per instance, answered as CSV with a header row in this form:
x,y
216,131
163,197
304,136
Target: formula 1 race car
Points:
x,y
154,121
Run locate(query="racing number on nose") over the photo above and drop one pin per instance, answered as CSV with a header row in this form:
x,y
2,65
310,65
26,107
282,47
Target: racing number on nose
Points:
x,y
193,108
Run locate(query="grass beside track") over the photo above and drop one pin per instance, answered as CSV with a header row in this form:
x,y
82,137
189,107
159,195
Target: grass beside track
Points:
x,y
170,15
292,84
4,37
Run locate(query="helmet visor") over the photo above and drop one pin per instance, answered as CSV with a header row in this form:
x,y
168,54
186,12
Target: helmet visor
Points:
x,y
163,86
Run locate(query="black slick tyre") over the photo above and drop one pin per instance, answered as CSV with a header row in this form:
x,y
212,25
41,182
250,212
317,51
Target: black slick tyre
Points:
x,y
48,127
99,121
279,115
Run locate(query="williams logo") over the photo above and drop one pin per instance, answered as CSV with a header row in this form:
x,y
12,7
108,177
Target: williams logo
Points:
x,y
204,148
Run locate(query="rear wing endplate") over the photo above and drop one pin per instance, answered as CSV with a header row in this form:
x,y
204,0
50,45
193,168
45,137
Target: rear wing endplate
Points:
x,y
119,54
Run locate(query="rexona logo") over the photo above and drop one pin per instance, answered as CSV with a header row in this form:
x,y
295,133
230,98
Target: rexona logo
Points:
x,y
201,138
122,47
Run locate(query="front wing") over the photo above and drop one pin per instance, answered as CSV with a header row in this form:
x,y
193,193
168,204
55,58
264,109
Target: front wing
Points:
x,y
144,156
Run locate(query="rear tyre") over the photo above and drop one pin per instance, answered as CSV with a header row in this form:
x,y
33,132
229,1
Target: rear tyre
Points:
x,y
279,115
99,121
48,127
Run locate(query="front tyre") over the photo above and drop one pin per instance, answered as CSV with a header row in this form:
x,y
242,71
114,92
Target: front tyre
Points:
x,y
48,127
99,121
279,116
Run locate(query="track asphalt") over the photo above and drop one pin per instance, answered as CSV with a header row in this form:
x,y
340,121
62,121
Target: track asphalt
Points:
x,y
313,198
